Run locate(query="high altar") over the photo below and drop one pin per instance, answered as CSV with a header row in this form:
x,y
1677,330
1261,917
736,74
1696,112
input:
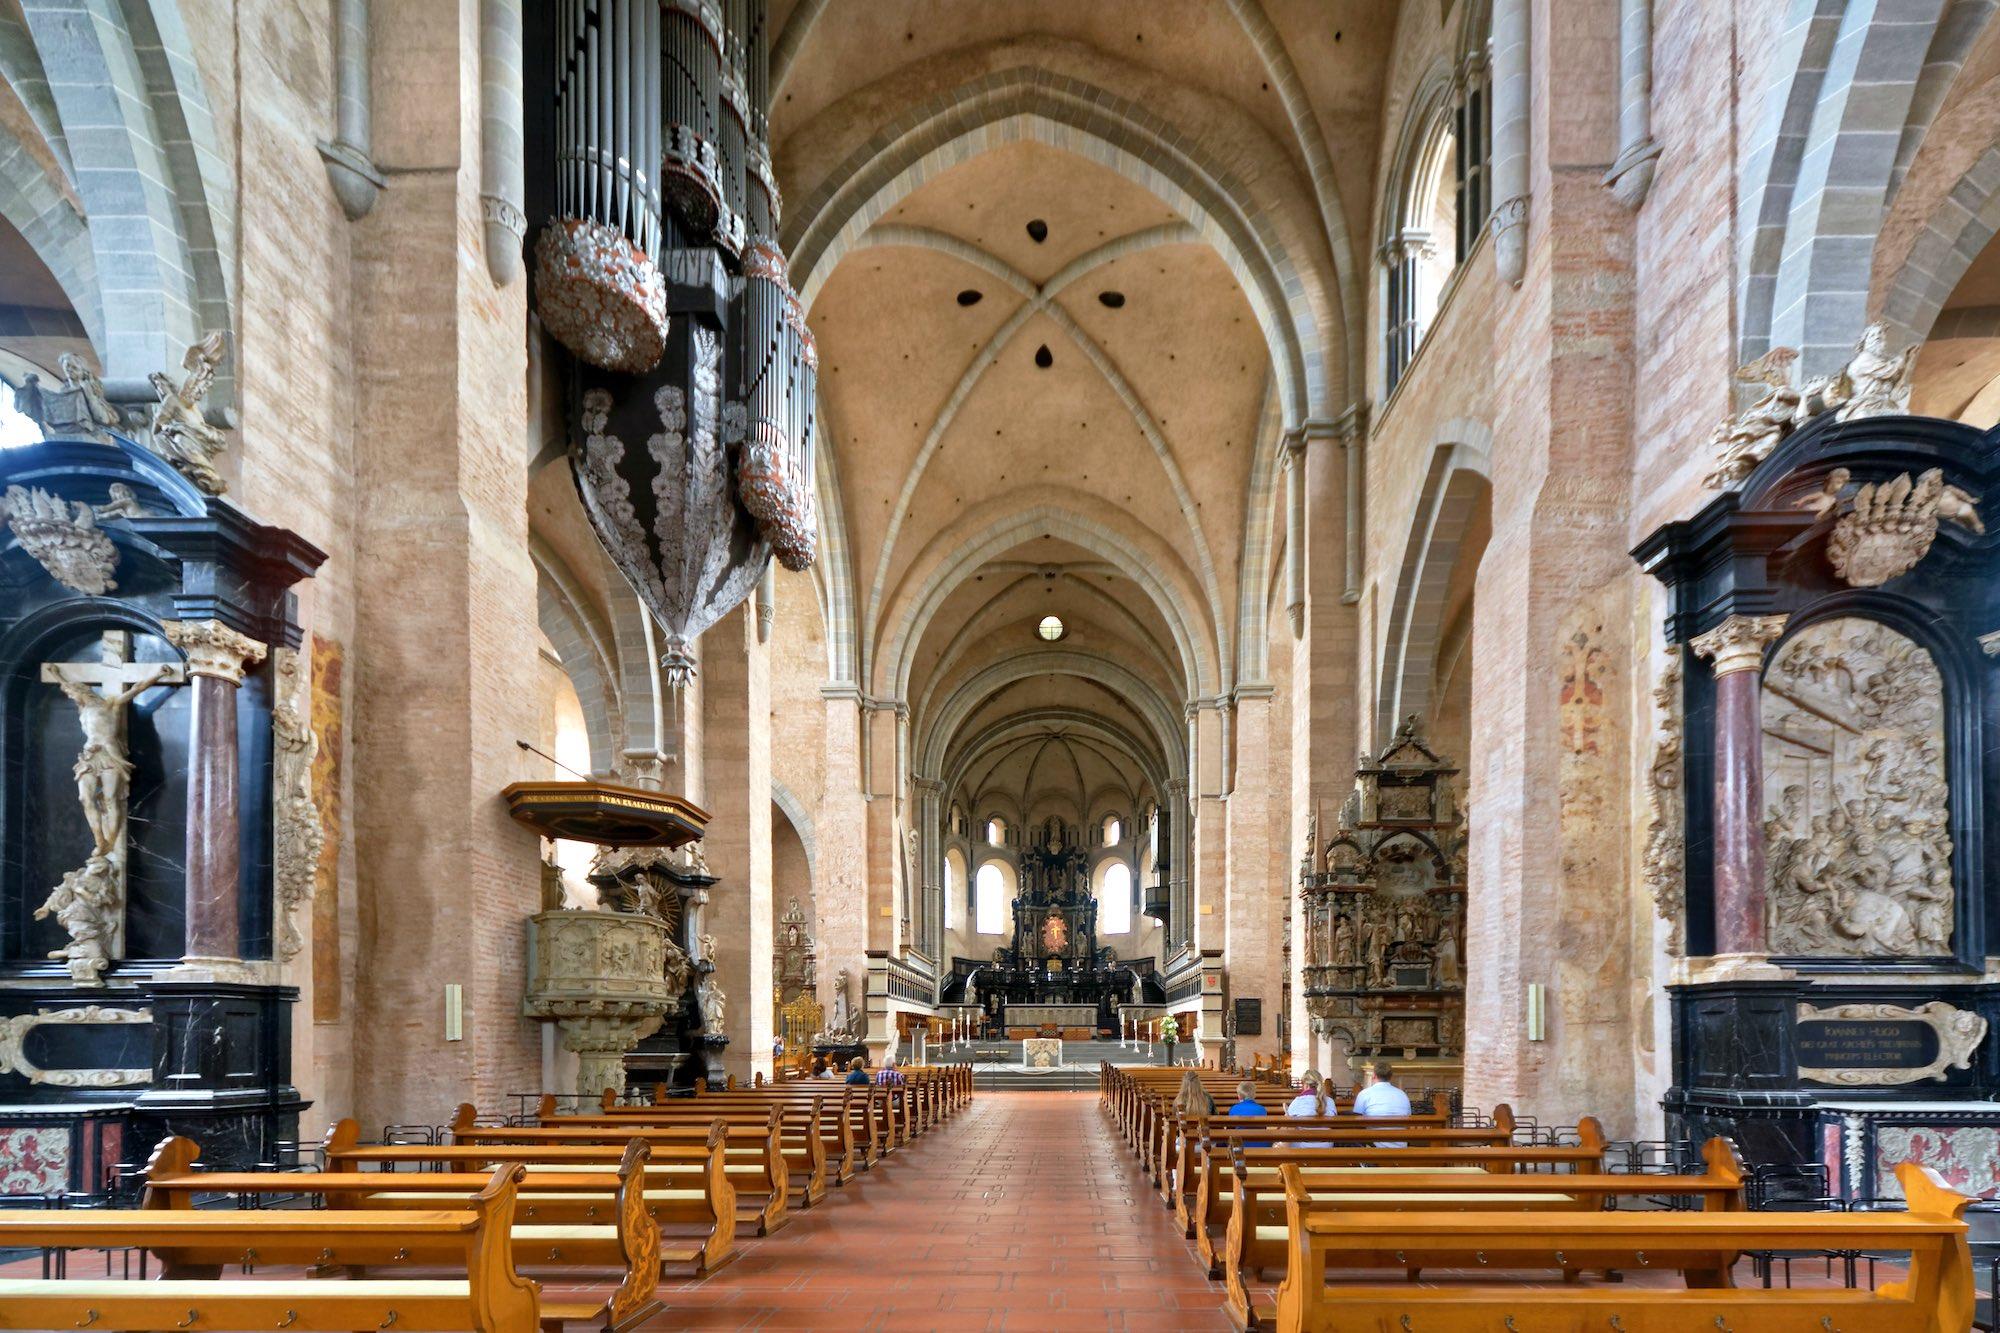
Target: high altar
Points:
x,y
1826,786
1053,974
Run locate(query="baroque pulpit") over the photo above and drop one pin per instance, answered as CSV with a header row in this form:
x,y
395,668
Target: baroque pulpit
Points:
x,y
1824,829
157,814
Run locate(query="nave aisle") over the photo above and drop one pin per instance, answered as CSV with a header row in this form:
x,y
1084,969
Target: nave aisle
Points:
x,y
1024,1213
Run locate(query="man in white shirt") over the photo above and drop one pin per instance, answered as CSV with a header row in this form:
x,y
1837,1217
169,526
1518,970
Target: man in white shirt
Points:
x,y
1379,1096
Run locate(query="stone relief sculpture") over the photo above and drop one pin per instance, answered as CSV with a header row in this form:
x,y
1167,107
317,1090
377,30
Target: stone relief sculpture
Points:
x,y
180,434
1665,864
1857,847
1873,383
1746,439
76,409
711,999
840,1026
62,536
300,836
1885,528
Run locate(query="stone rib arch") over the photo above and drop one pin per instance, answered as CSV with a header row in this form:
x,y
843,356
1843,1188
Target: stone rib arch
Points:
x,y
1035,721
1031,104
1039,300
973,692
37,205
1826,156
581,643
149,165
1457,477
833,572
968,634
956,552
796,811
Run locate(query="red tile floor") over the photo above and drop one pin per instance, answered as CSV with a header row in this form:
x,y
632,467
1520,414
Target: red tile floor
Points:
x,y
1024,1212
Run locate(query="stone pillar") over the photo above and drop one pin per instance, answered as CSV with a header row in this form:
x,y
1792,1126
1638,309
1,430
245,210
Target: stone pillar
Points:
x,y
1551,770
841,891
1254,905
1209,846
928,910
217,657
1736,647
736,772
444,600
1326,702
1180,865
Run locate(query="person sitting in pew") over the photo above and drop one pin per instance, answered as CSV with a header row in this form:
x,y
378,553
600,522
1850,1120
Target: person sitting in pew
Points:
x,y
889,1076
1247,1104
1193,1098
1312,1100
1380,1096
857,1072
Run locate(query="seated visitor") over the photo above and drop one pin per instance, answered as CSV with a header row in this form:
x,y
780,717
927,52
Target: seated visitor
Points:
x,y
1379,1096
1247,1104
888,1076
857,1071
1193,1098
1313,1099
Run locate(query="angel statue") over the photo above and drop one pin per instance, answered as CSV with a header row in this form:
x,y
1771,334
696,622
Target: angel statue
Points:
x,y
76,409
1873,383
1746,439
181,435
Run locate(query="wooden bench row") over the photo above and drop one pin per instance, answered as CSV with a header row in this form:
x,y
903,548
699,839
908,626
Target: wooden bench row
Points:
x,y
1292,1193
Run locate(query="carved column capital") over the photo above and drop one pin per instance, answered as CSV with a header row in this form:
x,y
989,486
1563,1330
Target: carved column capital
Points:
x,y
1738,643
214,649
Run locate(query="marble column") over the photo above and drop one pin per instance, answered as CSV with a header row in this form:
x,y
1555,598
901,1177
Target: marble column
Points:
x,y
216,659
1736,647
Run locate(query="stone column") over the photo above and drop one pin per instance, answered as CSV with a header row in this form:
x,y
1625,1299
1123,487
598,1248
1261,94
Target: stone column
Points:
x,y
216,659
1736,647
842,884
736,790
1254,905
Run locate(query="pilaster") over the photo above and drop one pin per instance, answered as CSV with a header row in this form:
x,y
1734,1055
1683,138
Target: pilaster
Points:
x,y
736,762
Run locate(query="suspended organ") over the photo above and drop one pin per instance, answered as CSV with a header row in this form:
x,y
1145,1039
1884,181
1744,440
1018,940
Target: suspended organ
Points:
x,y
692,438
1383,894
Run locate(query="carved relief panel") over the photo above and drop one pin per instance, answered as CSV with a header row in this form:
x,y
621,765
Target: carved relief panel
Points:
x,y
1857,847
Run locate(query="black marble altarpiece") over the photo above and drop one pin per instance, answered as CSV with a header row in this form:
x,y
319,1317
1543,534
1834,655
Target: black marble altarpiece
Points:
x,y
1825,792
120,1026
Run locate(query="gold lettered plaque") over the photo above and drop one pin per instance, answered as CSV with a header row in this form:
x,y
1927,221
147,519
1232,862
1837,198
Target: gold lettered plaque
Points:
x,y
1882,1045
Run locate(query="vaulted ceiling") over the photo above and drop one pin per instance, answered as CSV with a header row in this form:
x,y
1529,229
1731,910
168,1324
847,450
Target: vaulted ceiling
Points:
x,y
1071,278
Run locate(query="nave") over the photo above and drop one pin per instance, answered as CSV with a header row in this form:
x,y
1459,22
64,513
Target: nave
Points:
x,y
1024,1213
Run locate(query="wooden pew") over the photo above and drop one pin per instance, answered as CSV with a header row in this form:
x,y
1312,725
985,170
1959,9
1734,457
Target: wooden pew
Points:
x,y
570,1219
803,1126
472,1238
855,1131
687,1185
1190,1135
1211,1196
1936,1297
754,1154
1257,1237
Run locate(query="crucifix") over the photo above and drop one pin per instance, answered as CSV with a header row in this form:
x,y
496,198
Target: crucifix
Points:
x,y
90,901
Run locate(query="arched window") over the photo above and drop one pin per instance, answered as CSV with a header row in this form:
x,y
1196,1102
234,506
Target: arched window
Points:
x,y
1114,830
989,910
1115,900
954,891
996,831
1420,231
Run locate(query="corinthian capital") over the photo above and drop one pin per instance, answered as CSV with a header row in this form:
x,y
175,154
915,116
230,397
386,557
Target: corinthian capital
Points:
x,y
214,649
1738,643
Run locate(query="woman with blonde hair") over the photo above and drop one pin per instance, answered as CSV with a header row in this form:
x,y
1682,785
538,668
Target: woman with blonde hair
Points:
x,y
1193,1098
1313,1099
